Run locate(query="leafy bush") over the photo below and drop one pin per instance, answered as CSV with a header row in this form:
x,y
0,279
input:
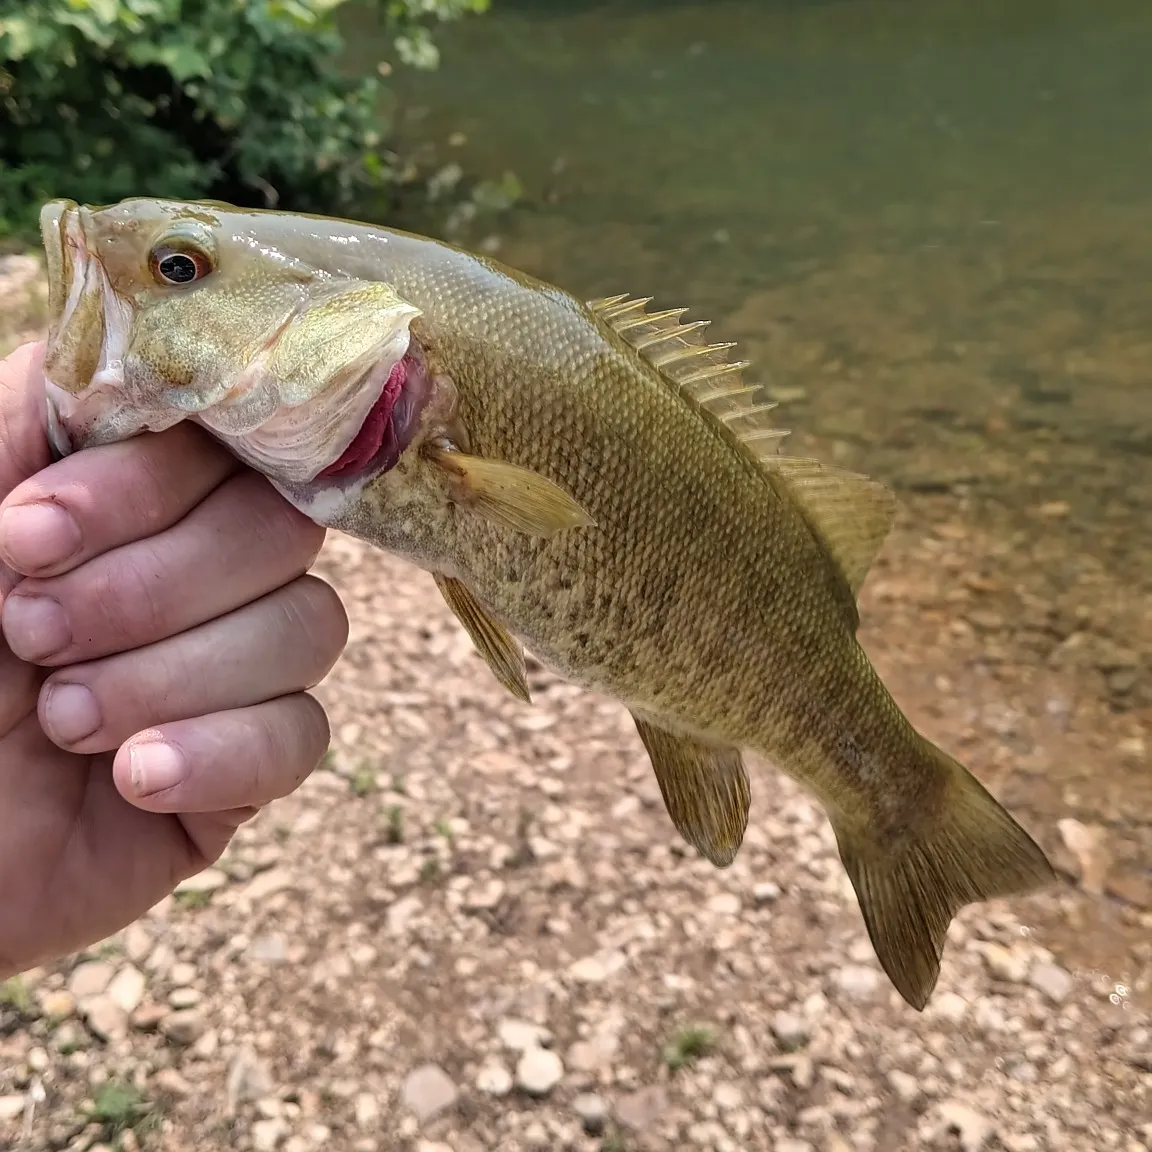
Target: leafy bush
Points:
x,y
240,100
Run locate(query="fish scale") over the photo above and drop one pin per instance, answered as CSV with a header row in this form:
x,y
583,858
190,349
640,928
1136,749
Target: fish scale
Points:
x,y
596,483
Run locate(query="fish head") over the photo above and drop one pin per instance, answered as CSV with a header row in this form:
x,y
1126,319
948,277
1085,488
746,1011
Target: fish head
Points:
x,y
165,310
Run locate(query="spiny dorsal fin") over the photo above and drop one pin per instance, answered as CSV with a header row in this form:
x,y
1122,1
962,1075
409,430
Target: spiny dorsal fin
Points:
x,y
850,514
699,371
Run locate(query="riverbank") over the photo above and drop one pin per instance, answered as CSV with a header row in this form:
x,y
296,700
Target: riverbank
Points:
x,y
23,299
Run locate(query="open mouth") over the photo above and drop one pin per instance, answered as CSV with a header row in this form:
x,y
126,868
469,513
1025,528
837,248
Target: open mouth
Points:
x,y
389,426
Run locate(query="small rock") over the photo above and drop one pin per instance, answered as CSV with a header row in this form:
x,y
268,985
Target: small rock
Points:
x,y
58,1005
484,897
494,1079
268,950
11,1107
105,1018
948,1006
725,904
1004,964
171,1083
906,1086
593,1112
367,1110
148,1016
127,988
185,997
596,969
90,978
538,1071
727,1097
183,1026
1086,843
766,892
973,1128
792,1032
790,1145
401,914
249,1078
267,1134
182,974
1052,981
856,982
520,1035
427,1092
642,1110
209,880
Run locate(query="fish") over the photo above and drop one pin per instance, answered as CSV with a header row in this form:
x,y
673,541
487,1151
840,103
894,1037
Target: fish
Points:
x,y
590,481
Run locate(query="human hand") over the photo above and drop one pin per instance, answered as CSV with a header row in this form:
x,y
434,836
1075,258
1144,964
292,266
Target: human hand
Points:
x,y
152,671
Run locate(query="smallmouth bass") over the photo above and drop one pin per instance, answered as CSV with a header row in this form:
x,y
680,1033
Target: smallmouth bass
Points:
x,y
590,480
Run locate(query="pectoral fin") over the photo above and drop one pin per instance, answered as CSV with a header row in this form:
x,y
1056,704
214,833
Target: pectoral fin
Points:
x,y
500,649
511,496
705,789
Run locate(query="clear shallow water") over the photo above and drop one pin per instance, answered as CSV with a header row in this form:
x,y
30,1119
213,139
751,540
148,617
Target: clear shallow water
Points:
x,y
930,226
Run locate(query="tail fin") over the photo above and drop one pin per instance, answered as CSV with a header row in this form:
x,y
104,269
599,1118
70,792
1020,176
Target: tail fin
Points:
x,y
970,849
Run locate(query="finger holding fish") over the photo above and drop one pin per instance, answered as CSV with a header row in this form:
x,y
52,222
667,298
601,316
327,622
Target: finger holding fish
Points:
x,y
98,705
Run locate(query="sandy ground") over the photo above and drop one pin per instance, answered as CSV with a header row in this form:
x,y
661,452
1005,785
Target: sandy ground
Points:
x,y
475,927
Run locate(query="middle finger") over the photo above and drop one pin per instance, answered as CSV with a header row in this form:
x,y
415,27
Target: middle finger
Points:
x,y
285,642
243,541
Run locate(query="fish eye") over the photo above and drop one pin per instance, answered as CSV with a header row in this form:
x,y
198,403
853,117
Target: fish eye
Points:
x,y
180,261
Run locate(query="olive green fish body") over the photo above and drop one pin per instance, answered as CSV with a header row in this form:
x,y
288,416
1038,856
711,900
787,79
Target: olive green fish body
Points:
x,y
591,481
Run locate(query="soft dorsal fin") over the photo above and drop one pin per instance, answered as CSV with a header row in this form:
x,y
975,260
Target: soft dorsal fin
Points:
x,y
850,514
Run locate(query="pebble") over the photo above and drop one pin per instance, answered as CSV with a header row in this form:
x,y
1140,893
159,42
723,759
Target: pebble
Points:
x,y
725,904
182,974
520,1035
766,892
90,978
596,969
493,1079
209,880
268,950
267,1134
58,1005
727,1097
948,1006
792,1032
183,1026
592,1111
185,997
1004,964
643,1109
105,1018
127,988
1052,982
538,1071
906,1086
973,1128
367,1110
427,1092
856,982
11,1107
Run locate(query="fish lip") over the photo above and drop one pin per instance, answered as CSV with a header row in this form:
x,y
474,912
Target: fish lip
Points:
x,y
56,256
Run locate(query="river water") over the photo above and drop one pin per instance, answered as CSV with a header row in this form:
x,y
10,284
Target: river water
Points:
x,y
930,227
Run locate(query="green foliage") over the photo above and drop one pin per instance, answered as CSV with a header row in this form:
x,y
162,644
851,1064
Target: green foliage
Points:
x,y
233,99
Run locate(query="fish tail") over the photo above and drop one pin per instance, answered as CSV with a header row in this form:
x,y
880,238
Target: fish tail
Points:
x,y
910,887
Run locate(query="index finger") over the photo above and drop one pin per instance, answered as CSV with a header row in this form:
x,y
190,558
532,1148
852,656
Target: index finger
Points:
x,y
104,497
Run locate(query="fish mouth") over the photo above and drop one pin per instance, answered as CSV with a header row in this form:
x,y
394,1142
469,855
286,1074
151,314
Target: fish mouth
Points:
x,y
88,327
389,427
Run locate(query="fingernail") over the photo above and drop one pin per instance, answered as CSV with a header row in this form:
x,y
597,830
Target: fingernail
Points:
x,y
155,767
70,713
35,627
37,536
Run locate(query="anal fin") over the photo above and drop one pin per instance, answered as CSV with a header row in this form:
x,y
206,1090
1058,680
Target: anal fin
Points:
x,y
499,648
705,789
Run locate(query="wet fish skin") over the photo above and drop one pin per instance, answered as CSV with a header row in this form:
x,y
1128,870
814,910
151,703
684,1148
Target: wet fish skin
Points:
x,y
594,482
